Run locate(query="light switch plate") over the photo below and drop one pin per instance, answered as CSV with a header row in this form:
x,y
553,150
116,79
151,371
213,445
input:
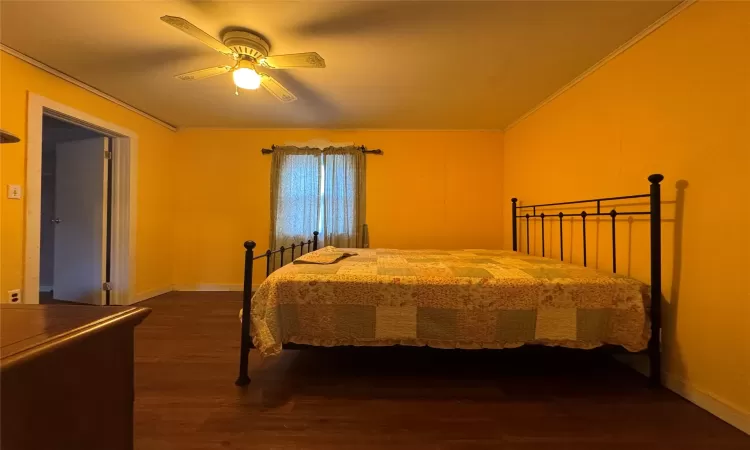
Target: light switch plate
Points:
x,y
14,191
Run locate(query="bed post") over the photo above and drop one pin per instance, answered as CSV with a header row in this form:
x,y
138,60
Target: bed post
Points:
x,y
315,240
243,379
654,344
515,224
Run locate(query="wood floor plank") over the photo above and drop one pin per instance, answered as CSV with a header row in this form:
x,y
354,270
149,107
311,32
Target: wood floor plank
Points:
x,y
397,398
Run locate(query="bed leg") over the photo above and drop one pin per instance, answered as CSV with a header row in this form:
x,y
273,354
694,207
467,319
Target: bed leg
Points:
x,y
244,379
654,344
515,223
654,358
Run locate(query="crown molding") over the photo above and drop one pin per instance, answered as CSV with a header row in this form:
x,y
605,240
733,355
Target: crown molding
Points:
x,y
82,85
350,130
621,49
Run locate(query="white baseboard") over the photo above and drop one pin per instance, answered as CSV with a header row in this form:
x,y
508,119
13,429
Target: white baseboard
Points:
x,y
719,408
141,296
212,287
189,288
208,287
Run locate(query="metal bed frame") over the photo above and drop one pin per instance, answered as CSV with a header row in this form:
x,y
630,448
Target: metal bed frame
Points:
x,y
654,213
246,341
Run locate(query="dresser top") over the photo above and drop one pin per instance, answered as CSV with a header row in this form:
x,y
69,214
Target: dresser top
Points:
x,y
29,329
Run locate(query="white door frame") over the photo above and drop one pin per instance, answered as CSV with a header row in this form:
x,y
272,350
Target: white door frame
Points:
x,y
124,183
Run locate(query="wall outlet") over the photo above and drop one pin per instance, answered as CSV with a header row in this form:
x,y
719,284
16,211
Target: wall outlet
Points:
x,y
14,191
14,296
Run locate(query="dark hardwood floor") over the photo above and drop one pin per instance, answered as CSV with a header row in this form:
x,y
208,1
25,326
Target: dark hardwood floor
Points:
x,y
397,398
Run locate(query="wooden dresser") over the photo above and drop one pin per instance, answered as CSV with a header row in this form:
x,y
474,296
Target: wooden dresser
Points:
x,y
66,376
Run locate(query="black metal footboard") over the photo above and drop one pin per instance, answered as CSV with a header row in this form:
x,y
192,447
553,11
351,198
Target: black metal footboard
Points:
x,y
654,213
246,342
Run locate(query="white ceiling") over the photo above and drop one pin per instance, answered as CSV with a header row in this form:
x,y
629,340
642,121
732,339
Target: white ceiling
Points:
x,y
394,65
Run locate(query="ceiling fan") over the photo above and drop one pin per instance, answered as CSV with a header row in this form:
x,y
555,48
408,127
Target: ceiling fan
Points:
x,y
248,51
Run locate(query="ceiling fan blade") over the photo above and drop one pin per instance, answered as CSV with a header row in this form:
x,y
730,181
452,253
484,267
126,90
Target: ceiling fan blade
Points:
x,y
204,73
276,89
293,61
188,28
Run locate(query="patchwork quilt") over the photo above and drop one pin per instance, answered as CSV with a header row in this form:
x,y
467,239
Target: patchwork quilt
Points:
x,y
448,299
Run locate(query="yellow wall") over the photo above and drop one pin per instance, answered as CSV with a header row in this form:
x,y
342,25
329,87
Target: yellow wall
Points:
x,y
430,189
155,187
676,103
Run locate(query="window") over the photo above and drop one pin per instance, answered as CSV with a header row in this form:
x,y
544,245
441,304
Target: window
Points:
x,y
318,191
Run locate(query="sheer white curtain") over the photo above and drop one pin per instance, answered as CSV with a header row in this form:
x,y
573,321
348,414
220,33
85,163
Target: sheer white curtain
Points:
x,y
295,195
344,197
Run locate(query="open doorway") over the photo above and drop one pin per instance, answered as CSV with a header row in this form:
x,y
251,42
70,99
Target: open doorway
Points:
x,y
75,219
111,255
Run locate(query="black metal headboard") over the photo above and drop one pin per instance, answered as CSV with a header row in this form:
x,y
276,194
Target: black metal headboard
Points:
x,y
654,212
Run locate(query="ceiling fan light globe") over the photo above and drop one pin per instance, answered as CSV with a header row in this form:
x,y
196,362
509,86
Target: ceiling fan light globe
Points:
x,y
245,78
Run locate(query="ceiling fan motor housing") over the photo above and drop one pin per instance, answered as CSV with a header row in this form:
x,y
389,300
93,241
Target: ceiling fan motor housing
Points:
x,y
245,43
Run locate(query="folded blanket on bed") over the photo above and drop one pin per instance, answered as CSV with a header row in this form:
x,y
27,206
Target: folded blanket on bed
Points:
x,y
326,255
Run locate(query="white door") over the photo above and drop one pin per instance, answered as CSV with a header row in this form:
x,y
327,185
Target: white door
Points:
x,y
81,179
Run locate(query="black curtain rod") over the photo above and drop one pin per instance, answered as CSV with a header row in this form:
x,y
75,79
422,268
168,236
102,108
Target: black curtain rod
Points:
x,y
268,151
